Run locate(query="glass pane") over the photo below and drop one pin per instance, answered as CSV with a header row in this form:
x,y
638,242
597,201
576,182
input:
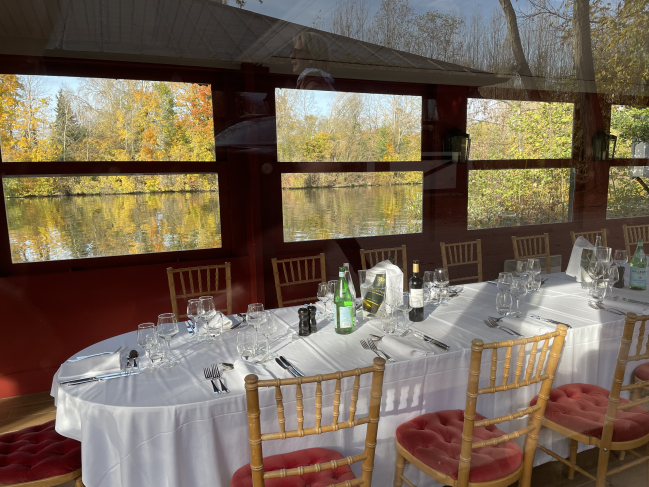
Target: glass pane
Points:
x,y
503,129
321,206
514,197
626,196
59,218
347,127
631,125
57,118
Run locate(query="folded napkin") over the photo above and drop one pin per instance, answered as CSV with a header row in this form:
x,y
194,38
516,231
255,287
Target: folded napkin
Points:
x,y
393,275
527,327
90,367
220,318
403,347
574,264
236,377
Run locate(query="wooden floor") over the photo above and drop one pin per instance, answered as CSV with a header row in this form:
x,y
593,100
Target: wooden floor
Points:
x,y
19,412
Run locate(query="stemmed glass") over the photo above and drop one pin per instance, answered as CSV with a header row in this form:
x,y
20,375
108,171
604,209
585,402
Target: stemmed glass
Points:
x,y
534,269
505,280
613,276
428,286
146,336
522,270
440,279
331,290
519,289
167,329
504,303
404,305
323,294
267,328
193,313
620,257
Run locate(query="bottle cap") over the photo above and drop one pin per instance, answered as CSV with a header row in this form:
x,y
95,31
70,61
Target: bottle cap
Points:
x,y
303,311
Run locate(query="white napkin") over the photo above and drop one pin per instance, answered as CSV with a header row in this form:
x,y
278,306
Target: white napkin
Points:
x,y
527,327
90,367
222,319
236,377
574,264
393,275
404,347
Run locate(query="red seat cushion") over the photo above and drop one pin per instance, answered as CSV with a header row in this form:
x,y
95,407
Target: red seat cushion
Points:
x,y
37,453
435,439
642,371
300,458
581,407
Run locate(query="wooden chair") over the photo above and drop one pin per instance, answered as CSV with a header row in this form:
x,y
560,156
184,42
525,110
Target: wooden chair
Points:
x,y
441,444
600,427
262,468
203,281
463,253
372,258
531,247
632,234
590,236
302,265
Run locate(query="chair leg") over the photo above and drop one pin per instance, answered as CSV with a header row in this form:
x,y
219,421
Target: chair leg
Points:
x,y
573,457
621,454
602,466
79,483
398,472
635,395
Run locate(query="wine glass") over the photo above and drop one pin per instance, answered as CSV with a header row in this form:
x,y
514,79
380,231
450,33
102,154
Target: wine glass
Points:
x,y
521,270
534,268
267,328
167,329
613,276
504,303
505,280
603,254
146,335
519,289
323,294
207,309
247,344
441,277
428,286
404,305
193,313
620,257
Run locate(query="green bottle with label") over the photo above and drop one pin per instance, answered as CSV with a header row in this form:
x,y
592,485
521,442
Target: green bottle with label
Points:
x,y
344,303
638,278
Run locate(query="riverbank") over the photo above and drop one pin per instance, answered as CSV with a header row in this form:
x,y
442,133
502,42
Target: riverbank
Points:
x,y
351,186
110,194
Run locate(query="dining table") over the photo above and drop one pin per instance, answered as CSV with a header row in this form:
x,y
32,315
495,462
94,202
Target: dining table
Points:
x,y
169,429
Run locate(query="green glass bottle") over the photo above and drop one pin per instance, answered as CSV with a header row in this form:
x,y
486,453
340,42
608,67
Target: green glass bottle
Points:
x,y
344,303
638,278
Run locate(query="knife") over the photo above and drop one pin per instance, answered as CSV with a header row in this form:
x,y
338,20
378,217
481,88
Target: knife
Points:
x,y
554,322
426,338
99,378
285,367
285,360
634,301
493,282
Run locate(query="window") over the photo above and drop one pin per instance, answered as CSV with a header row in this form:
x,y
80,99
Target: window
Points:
x,y
515,197
326,126
631,126
320,206
627,198
502,129
60,218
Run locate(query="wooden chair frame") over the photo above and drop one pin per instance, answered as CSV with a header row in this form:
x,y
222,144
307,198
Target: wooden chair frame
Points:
x,y
462,254
530,248
302,263
371,420
591,236
605,443
53,481
532,374
197,290
632,233
373,257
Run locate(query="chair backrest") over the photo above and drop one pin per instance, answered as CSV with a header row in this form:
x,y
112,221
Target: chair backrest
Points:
x,y
630,323
537,369
301,270
632,234
372,257
463,253
591,236
199,281
534,246
371,420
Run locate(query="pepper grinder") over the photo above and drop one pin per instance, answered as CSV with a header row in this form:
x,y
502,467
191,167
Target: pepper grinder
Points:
x,y
312,322
305,326
620,282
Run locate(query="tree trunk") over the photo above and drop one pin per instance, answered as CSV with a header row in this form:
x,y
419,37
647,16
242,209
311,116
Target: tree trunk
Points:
x,y
522,67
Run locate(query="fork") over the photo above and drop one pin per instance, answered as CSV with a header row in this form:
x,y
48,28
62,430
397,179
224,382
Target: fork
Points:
x,y
598,306
215,368
209,376
367,347
373,346
494,324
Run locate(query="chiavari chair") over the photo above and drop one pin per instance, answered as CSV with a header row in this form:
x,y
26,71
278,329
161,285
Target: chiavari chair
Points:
x,y
460,254
315,466
633,233
531,247
443,444
199,281
591,236
301,270
372,257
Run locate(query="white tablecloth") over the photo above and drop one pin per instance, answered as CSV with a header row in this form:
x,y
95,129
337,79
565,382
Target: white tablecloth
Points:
x,y
168,429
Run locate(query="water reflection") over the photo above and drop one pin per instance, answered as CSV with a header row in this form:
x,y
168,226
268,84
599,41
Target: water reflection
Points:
x,y
72,227
326,213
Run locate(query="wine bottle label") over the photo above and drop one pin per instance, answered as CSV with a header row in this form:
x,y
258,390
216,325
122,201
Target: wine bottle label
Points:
x,y
417,298
638,277
345,318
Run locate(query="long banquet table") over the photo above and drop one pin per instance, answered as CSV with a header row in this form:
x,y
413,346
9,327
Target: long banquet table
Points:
x,y
168,429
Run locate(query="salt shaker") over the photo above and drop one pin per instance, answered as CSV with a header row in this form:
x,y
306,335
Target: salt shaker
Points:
x,y
312,322
305,325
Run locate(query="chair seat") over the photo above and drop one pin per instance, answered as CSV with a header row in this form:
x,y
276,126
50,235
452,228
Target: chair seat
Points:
x,y
436,439
581,408
37,453
300,458
642,371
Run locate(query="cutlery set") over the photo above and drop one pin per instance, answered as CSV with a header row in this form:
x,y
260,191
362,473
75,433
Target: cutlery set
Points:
x,y
492,322
213,373
416,334
288,366
370,345
600,306
644,303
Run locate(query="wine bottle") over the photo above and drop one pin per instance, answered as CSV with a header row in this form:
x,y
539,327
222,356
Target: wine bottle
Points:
x,y
344,306
638,278
375,295
416,288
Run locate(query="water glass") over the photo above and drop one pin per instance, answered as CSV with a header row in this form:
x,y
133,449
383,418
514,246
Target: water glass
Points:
x,y
504,303
193,313
207,309
146,335
267,328
405,306
215,326
255,312
599,291
442,296
603,254
167,329
247,344
519,289
428,286
331,290
362,283
157,353
534,266
535,283
505,280
522,270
